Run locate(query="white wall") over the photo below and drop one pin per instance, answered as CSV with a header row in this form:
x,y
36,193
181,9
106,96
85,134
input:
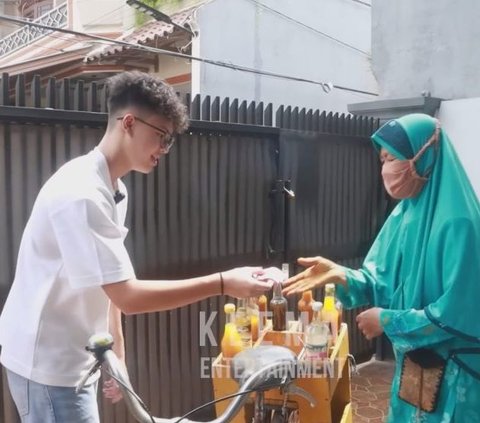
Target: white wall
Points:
x,y
459,119
172,66
98,17
426,45
9,8
243,33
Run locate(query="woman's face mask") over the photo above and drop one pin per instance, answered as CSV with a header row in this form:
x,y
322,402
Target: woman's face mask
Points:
x,y
400,177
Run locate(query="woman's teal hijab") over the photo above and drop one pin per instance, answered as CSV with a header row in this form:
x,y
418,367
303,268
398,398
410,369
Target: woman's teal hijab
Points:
x,y
427,255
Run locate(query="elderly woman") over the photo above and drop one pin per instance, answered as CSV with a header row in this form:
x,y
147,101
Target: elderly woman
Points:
x,y
421,275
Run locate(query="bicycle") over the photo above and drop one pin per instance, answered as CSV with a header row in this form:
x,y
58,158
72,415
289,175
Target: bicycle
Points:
x,y
256,370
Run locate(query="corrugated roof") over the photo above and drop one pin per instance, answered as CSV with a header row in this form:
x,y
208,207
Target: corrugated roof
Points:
x,y
147,34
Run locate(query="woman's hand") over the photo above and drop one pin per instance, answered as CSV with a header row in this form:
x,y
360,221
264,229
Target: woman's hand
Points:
x,y
320,271
368,322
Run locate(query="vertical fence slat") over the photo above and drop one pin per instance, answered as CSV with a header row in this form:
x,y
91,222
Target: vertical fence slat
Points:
x,y
65,102
216,109
258,120
20,91
195,108
287,118
309,120
103,99
79,96
187,100
233,118
279,117
322,122
302,120
51,93
242,112
4,90
36,92
92,97
316,121
225,110
251,113
206,115
295,119
268,121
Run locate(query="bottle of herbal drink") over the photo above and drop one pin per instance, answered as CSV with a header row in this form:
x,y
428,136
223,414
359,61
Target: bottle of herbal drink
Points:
x,y
243,322
254,314
305,309
329,311
278,306
262,309
231,342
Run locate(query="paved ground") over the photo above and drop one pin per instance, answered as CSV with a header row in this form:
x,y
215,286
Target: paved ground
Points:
x,y
371,391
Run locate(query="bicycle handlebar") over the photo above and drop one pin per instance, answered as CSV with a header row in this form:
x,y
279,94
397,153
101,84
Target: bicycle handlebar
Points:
x,y
101,347
117,369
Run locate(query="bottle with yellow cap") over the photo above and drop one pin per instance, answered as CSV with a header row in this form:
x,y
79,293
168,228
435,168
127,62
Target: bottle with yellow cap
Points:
x,y
329,311
231,342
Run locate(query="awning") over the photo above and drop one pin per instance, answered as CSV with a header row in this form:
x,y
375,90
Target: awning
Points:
x,y
149,34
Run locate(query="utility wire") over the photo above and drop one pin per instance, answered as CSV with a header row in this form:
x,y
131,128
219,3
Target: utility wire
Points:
x,y
264,6
326,87
110,12
362,2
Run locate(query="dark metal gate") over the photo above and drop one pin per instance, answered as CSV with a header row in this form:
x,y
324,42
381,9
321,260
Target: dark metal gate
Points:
x,y
216,201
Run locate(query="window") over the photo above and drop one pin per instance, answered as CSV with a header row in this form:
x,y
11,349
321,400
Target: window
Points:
x,y
35,9
43,8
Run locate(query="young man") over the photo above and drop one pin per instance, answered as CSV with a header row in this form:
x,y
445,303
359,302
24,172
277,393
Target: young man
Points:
x,y
74,276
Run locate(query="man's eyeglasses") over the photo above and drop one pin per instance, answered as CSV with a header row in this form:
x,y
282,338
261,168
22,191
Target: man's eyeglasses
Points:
x,y
165,137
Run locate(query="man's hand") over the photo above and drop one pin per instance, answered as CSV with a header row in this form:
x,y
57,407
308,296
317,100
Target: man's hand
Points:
x,y
369,322
270,273
243,282
111,391
319,272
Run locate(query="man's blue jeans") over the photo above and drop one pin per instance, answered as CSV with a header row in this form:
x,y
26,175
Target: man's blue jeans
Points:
x,y
37,403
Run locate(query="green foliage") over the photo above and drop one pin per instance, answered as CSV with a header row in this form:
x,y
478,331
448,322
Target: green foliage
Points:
x,y
141,18
165,6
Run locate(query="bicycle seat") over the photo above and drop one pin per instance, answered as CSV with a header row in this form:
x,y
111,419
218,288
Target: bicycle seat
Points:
x,y
277,362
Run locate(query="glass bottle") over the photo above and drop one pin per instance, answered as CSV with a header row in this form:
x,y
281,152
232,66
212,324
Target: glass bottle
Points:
x,y
253,313
243,322
278,306
231,342
262,309
329,311
305,309
317,335
339,307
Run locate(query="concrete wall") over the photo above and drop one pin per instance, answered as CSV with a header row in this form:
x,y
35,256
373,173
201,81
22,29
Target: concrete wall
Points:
x,y
171,67
458,118
426,45
9,8
243,33
105,16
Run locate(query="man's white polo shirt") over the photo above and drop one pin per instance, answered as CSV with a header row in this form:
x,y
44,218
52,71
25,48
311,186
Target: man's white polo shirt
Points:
x,y
72,245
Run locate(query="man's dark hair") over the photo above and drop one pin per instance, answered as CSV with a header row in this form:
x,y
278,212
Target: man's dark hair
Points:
x,y
146,92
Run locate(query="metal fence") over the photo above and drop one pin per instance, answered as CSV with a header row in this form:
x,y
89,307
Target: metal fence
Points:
x,y
216,201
